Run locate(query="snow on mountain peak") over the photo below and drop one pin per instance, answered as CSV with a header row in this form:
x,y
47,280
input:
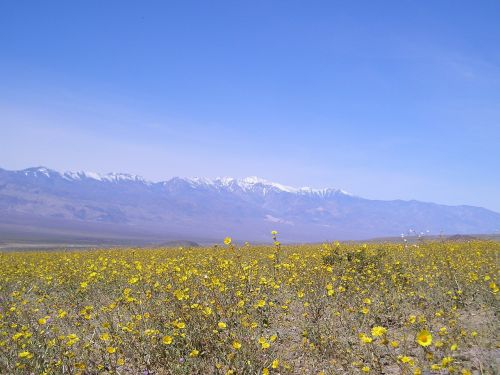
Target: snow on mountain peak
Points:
x,y
80,175
254,182
108,177
37,171
251,183
112,177
225,181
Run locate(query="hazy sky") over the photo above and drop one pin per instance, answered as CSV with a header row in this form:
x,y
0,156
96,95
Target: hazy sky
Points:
x,y
385,99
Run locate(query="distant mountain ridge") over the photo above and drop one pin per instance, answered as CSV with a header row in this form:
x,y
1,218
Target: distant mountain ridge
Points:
x,y
45,201
248,183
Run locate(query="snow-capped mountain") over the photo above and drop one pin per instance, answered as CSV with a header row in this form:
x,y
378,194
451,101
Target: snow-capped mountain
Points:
x,y
256,184
253,183
118,204
80,175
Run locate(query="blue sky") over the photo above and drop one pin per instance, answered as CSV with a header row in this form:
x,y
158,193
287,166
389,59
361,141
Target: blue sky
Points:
x,y
385,99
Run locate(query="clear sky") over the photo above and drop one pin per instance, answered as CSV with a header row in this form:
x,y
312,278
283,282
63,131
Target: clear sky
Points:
x,y
385,99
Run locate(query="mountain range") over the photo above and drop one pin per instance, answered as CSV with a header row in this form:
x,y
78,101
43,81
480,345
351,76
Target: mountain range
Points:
x,y
46,203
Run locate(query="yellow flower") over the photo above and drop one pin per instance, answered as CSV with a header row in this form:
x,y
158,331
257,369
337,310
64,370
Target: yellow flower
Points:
x,y
221,325
378,331
236,345
120,361
167,340
265,371
133,280
111,349
365,339
260,303
227,241
265,345
446,361
365,369
330,292
25,354
494,288
105,337
80,366
424,338
151,332
207,311
275,363
194,353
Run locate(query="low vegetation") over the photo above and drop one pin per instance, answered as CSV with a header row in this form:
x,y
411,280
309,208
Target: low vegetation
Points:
x,y
310,309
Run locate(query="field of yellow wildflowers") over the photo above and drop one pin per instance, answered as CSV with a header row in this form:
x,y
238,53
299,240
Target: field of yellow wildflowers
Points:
x,y
431,307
